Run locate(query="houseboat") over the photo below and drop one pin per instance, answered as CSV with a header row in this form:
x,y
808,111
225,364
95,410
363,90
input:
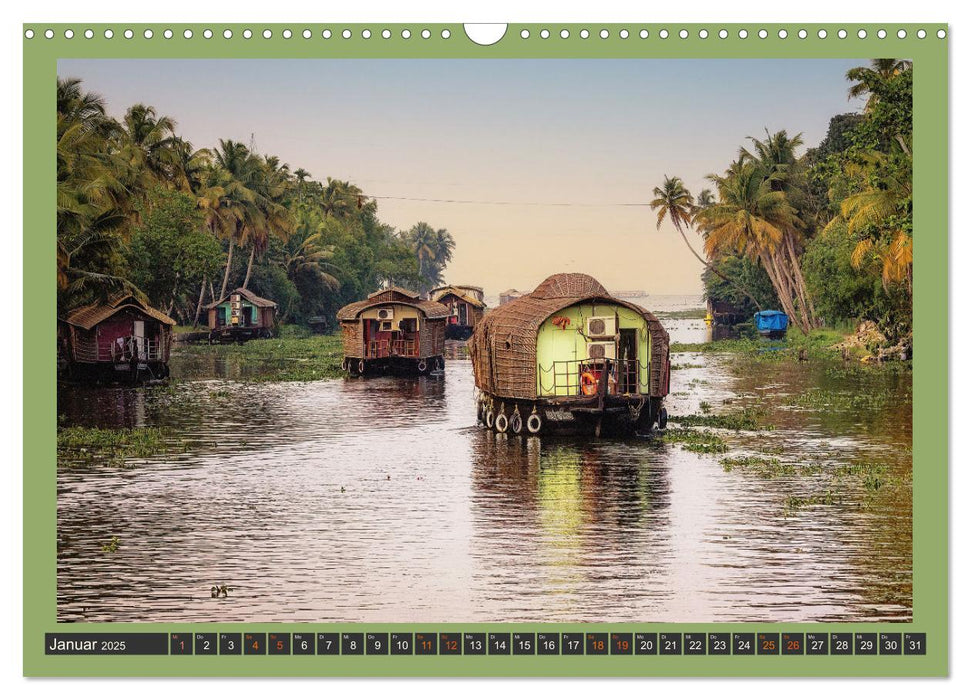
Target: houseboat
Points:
x,y
569,358
771,324
121,339
240,316
509,295
393,331
466,305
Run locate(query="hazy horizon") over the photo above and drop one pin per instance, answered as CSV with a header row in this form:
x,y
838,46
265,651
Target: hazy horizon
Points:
x,y
560,157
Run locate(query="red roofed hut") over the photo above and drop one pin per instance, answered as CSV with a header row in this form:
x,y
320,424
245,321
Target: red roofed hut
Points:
x,y
393,331
120,339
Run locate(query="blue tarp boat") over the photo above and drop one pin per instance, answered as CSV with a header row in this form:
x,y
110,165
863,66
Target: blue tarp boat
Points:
x,y
772,324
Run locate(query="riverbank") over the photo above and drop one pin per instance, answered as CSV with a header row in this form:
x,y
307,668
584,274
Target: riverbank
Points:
x,y
295,356
821,344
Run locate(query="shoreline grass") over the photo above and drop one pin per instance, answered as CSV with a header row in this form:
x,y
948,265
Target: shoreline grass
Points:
x,y
295,356
115,444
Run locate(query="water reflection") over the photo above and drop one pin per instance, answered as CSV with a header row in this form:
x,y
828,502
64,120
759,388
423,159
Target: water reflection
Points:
x,y
379,500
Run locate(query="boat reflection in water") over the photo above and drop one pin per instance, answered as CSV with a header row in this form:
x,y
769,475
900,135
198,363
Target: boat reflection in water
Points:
x,y
372,500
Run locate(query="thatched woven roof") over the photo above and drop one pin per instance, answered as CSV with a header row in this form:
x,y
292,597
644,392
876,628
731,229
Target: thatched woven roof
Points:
x,y
248,295
503,347
87,317
437,294
394,295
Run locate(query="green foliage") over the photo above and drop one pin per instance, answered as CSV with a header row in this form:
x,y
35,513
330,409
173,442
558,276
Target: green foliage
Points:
x,y
171,252
842,292
750,275
295,356
747,418
140,209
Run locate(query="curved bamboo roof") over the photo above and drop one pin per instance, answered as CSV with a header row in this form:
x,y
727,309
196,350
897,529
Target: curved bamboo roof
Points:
x,y
455,290
393,295
248,295
87,317
503,346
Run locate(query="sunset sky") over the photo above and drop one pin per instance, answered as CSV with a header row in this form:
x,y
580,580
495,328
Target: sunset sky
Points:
x,y
559,156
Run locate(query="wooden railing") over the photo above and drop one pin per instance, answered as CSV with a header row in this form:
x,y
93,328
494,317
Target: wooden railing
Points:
x,y
568,377
149,349
405,347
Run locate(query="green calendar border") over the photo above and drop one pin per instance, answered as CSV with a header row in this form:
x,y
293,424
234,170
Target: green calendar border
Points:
x,y
930,420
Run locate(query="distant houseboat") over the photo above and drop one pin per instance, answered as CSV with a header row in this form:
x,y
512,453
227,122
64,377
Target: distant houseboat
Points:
x,y
466,305
509,295
771,324
570,358
240,316
393,331
122,339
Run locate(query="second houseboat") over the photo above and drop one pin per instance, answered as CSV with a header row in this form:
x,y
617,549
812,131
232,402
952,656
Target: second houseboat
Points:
x,y
393,331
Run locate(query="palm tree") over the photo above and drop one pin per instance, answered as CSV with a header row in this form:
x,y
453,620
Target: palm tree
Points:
x,y
752,219
424,241
673,201
776,158
875,217
149,145
91,200
240,199
272,186
868,79
340,199
704,199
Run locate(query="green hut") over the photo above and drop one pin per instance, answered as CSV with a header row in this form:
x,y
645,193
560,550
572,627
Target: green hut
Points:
x,y
571,358
241,315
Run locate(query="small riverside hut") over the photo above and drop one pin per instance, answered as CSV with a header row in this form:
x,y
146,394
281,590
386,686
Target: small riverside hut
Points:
x,y
240,316
393,331
466,307
121,339
570,358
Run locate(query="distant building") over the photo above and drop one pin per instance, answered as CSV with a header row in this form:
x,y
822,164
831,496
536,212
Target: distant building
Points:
x,y
508,295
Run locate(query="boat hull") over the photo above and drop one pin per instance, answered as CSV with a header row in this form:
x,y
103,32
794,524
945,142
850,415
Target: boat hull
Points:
x,y
393,366
619,416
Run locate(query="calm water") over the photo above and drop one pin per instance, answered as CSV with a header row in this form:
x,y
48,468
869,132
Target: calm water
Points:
x,y
380,500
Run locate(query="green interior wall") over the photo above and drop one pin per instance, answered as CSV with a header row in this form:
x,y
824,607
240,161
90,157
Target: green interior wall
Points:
x,y
245,304
554,344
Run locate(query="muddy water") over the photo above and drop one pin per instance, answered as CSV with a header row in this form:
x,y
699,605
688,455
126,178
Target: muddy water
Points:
x,y
380,500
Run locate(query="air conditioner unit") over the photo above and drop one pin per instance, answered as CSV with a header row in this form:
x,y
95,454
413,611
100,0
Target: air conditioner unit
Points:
x,y
602,351
386,314
601,326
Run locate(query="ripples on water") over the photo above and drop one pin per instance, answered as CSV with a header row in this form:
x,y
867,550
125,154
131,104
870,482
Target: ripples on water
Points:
x,y
379,500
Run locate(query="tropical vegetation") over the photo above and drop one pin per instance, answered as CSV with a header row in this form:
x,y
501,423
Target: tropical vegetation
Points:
x,y
825,233
141,209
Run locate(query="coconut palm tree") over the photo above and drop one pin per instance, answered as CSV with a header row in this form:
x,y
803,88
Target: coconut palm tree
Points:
x,y
272,187
674,202
877,218
241,200
424,242
340,198
868,79
751,218
147,142
776,158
